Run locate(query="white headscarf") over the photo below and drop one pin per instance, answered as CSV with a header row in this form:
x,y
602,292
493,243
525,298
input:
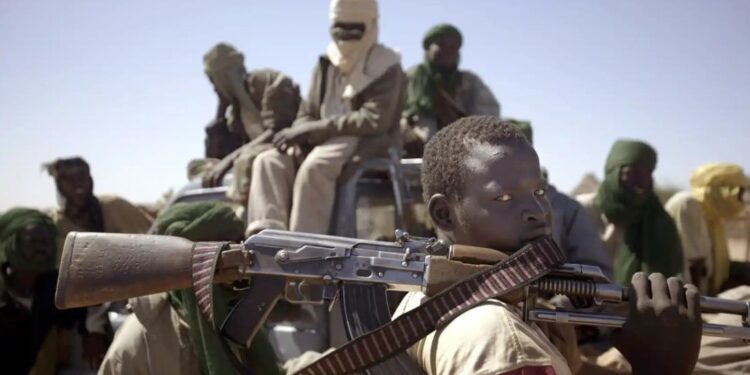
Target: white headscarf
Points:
x,y
346,54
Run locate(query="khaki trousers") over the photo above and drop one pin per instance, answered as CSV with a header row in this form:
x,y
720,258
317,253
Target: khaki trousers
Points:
x,y
242,172
302,201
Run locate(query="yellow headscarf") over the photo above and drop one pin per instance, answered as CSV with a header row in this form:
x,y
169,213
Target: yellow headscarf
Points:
x,y
717,187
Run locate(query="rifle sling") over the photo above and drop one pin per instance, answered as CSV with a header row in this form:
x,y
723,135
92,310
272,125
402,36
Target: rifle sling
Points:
x,y
206,256
525,266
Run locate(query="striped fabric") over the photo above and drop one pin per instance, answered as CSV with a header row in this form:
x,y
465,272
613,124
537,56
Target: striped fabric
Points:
x,y
526,265
205,256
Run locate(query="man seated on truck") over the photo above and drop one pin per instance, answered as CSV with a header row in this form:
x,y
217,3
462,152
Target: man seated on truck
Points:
x,y
351,113
250,103
439,93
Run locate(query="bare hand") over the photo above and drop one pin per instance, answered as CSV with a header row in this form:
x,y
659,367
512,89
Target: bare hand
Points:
x,y
662,334
215,176
94,348
289,137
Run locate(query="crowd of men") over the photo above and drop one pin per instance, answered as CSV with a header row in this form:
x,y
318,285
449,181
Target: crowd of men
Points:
x,y
482,186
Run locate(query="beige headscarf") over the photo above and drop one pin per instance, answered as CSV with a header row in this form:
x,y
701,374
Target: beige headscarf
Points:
x,y
361,61
345,54
717,186
226,68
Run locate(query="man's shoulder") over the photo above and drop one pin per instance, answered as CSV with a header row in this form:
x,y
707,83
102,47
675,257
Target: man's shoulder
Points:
x,y
496,313
681,200
556,196
588,202
493,332
267,76
470,77
412,70
268,72
384,54
115,206
381,60
563,204
586,199
113,200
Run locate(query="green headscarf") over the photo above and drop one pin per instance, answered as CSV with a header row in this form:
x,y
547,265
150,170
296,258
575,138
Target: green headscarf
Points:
x,y
201,221
428,76
652,243
213,221
439,31
12,225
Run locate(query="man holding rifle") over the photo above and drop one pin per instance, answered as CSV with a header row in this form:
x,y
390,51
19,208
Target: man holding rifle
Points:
x,y
484,187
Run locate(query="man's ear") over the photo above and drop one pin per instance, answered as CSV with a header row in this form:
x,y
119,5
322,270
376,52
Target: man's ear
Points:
x,y
441,213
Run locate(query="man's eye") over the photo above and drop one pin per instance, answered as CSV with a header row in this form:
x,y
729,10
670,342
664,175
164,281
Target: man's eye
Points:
x,y
540,192
504,198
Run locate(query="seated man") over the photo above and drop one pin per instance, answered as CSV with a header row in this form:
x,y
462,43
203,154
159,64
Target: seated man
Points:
x,y
31,327
572,228
167,334
256,101
351,113
484,187
716,196
631,221
439,93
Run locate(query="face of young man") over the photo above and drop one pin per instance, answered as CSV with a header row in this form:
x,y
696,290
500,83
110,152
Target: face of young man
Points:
x,y
637,179
75,185
504,203
443,52
36,242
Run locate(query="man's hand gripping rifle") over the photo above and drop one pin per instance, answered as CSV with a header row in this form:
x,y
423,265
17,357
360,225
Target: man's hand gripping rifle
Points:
x,y
309,268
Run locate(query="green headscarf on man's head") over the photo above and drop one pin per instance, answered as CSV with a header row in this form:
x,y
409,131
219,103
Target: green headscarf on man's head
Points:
x,y
213,221
439,31
428,77
619,204
12,224
652,243
630,152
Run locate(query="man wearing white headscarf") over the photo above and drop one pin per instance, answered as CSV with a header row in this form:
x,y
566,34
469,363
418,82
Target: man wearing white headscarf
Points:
x,y
351,113
249,104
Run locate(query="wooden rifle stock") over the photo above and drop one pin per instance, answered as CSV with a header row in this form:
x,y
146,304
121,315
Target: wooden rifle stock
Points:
x,y
100,267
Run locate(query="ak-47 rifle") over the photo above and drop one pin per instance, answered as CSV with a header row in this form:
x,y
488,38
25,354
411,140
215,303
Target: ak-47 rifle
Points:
x,y
310,268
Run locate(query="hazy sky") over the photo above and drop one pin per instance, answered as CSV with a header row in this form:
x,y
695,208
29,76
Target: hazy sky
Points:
x,y
121,83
